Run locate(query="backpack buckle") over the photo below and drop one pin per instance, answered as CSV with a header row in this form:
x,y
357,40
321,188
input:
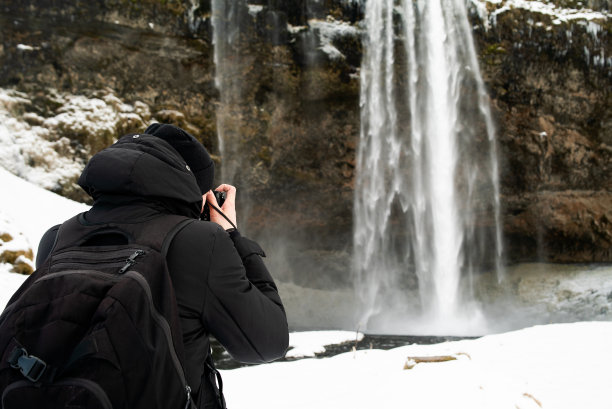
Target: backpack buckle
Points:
x,y
30,366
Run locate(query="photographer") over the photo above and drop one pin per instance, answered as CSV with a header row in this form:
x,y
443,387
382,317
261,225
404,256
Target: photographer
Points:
x,y
221,283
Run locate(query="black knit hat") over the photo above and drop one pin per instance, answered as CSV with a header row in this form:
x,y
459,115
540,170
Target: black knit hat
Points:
x,y
194,153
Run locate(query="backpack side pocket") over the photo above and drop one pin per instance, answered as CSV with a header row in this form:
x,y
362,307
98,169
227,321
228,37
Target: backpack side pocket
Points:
x,y
69,393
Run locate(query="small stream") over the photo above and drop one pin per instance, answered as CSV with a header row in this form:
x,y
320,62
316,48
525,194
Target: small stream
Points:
x,y
224,361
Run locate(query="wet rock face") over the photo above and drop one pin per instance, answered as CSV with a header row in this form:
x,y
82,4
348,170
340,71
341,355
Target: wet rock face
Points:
x,y
551,93
143,51
294,120
561,226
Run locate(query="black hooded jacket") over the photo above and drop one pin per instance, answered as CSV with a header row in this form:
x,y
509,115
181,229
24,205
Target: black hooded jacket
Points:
x,y
221,283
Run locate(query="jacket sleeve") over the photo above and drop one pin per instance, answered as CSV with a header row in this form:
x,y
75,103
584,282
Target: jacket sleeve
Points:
x,y
243,309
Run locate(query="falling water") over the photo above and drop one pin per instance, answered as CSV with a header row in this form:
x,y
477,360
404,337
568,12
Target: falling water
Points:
x,y
427,191
226,36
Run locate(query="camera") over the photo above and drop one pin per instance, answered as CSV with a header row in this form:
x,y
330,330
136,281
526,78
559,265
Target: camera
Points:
x,y
220,196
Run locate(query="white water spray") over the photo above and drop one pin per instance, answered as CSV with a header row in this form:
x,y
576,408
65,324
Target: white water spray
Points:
x,y
427,190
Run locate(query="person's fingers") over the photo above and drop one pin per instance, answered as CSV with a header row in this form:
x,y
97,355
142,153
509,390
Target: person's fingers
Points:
x,y
228,208
210,198
230,192
226,188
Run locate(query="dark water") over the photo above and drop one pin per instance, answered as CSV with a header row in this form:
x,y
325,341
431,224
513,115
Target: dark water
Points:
x,y
224,361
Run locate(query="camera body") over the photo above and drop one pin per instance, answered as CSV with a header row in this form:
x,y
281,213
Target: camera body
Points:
x,y
220,196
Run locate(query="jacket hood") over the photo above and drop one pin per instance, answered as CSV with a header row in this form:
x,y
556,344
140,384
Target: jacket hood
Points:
x,y
140,166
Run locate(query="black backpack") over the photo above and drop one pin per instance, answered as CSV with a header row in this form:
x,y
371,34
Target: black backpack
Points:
x,y
97,325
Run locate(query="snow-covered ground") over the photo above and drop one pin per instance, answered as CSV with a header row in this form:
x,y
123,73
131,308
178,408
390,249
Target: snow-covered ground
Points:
x,y
26,212
555,366
310,343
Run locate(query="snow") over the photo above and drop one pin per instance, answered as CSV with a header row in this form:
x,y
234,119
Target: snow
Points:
x,y
25,47
23,143
554,366
254,9
35,147
489,10
31,210
9,283
309,343
558,14
26,212
296,29
330,29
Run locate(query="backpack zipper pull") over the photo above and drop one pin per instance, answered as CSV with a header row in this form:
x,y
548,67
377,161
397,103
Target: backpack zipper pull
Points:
x,y
188,390
131,260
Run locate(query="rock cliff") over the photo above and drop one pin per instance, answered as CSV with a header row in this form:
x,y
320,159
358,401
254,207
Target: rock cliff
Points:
x,y
287,105
549,73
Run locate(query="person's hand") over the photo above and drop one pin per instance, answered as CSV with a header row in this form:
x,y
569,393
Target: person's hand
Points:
x,y
228,208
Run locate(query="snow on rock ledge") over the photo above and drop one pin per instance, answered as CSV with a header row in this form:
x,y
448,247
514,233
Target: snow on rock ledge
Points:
x,y
488,10
48,138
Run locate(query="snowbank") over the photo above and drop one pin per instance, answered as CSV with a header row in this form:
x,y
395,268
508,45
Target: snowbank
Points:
x,y
554,366
27,211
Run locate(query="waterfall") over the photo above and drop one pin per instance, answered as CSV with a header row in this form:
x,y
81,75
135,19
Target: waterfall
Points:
x,y
226,36
426,213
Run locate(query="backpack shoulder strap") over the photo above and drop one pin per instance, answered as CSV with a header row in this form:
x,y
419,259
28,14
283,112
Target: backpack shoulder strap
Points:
x,y
170,235
69,233
156,233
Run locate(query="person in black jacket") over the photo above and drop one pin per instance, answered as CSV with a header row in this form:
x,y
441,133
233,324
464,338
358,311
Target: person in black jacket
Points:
x,y
222,285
